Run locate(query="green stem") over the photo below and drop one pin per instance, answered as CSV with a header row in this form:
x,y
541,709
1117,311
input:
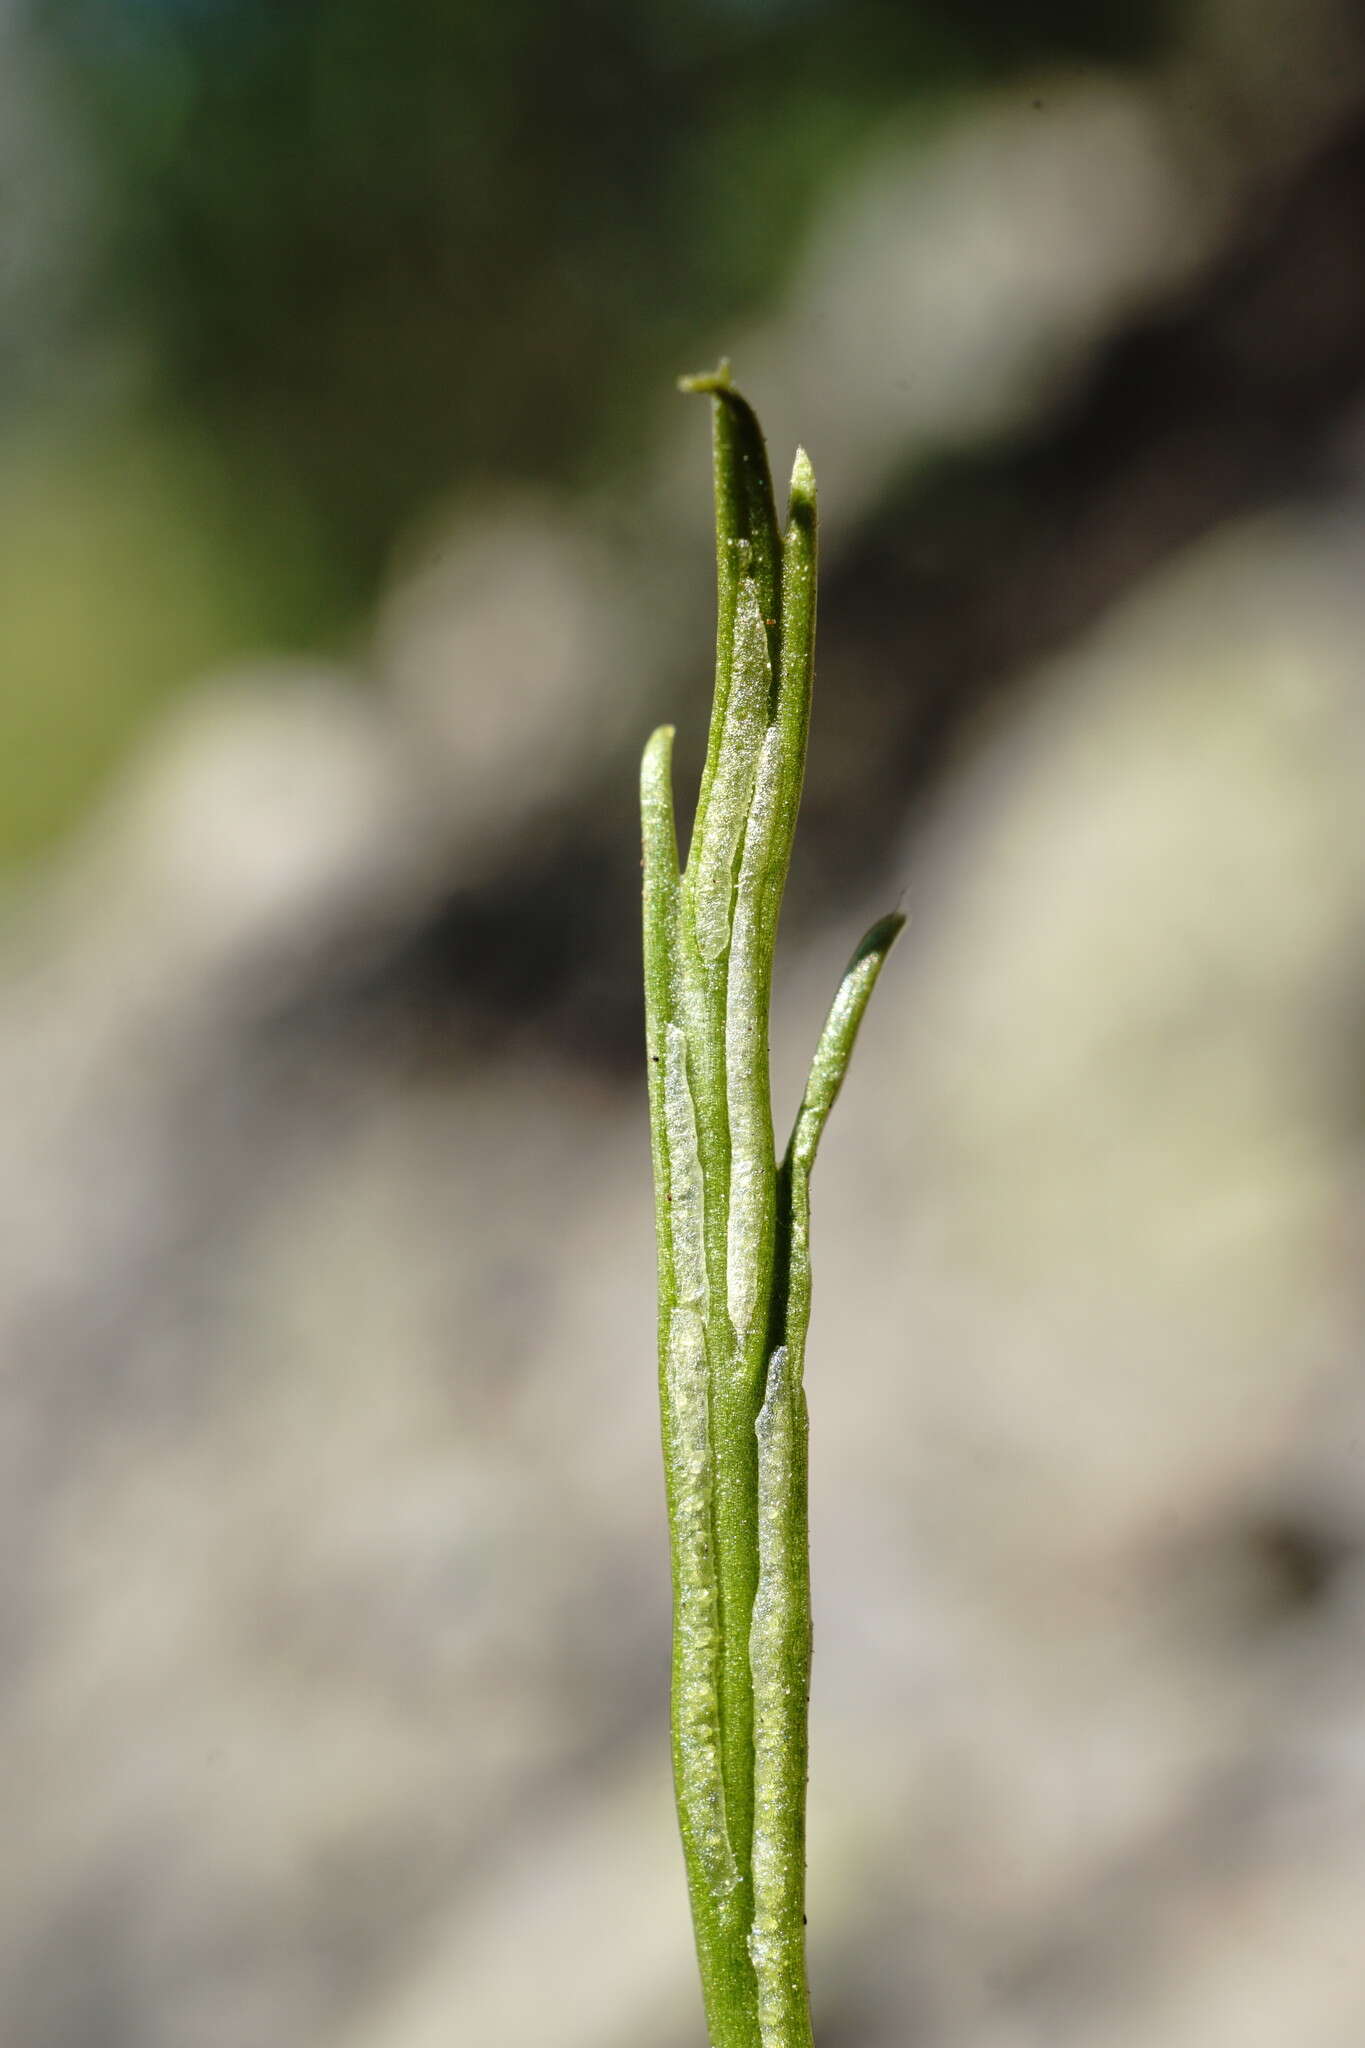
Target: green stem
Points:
x,y
733,1260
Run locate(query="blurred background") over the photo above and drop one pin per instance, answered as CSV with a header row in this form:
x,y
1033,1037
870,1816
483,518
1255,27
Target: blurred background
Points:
x,y
352,539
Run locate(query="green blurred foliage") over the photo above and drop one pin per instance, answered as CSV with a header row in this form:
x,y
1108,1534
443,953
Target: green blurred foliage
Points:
x,y
376,251
129,564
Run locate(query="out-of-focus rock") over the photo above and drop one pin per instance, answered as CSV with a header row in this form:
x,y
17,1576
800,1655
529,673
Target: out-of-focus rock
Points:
x,y
510,645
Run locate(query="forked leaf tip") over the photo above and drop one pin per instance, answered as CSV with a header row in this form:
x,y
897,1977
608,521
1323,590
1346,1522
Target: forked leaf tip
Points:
x,y
708,383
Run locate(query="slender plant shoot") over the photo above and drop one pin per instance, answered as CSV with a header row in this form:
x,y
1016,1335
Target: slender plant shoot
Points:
x,y
734,1251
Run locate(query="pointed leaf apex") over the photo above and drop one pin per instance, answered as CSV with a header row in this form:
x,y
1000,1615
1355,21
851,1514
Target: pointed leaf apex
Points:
x,y
801,497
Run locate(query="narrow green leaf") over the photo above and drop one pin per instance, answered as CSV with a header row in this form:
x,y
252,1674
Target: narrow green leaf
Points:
x,y
720,828
835,1047
661,891
747,544
752,1174
779,1658
696,1668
